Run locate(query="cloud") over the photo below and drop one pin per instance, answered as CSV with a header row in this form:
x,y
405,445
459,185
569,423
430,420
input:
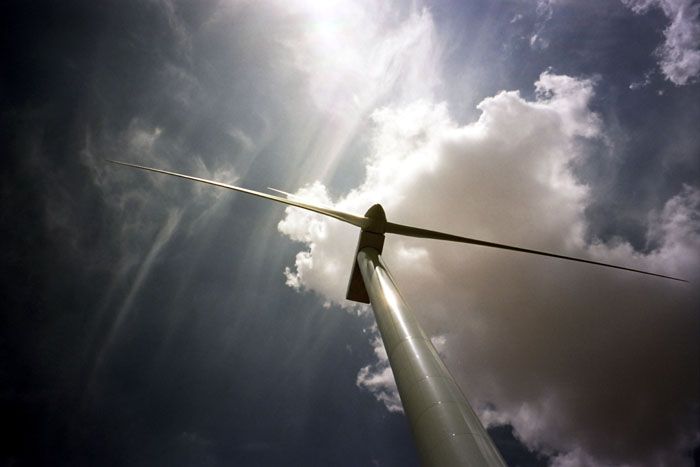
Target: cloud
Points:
x,y
545,11
161,240
679,55
635,85
378,378
354,55
585,363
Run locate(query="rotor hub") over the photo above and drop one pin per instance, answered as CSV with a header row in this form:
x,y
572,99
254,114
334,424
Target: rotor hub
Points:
x,y
376,220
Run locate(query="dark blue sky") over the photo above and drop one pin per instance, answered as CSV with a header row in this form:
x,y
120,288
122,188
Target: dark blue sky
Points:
x,y
147,321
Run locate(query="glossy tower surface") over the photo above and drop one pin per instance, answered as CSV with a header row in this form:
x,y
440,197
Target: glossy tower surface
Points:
x,y
446,429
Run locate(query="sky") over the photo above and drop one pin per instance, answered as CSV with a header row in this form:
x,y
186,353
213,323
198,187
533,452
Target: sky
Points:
x,y
152,321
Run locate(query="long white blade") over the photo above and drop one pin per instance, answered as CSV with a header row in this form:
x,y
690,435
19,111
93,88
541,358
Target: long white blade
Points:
x,y
358,221
297,197
409,231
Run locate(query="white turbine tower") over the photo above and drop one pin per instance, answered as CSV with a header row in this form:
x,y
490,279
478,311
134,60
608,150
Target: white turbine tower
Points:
x,y
446,430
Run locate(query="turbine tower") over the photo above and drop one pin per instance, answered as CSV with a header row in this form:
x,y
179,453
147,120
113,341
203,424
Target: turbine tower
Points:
x,y
446,430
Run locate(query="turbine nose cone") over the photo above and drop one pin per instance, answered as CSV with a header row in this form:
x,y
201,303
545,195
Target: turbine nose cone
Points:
x,y
377,219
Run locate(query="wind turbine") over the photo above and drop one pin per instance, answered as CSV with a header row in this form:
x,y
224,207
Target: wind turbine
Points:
x,y
446,430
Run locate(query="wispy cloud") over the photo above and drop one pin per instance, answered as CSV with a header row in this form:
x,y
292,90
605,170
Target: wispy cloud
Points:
x,y
545,11
164,235
646,81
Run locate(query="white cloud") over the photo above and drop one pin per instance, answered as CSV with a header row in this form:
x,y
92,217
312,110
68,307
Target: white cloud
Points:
x,y
590,363
378,377
575,458
141,139
679,55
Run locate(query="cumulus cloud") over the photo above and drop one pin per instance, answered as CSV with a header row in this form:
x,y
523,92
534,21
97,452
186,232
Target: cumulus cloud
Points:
x,y
585,363
679,55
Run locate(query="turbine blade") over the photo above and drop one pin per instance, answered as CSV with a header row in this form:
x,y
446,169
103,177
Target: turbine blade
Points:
x,y
357,221
297,197
409,231
288,195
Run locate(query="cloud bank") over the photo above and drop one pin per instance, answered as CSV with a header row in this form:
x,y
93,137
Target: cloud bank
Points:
x,y
534,342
